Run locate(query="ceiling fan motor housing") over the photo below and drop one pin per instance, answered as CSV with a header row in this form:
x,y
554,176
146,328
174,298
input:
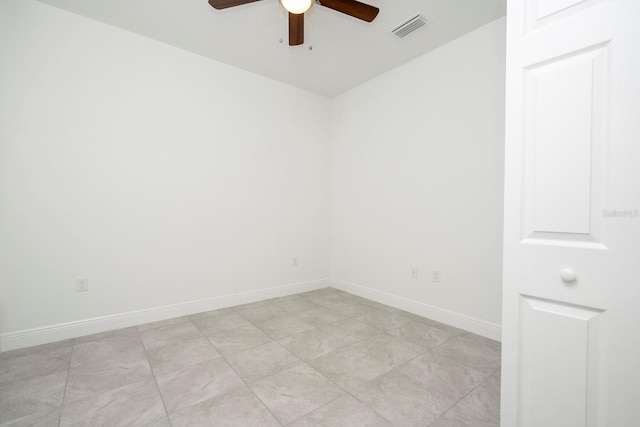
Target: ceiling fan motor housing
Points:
x,y
297,8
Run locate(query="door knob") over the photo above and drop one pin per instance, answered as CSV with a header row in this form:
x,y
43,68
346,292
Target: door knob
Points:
x,y
568,275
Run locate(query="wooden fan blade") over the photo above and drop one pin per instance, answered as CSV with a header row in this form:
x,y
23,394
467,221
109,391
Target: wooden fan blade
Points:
x,y
352,8
223,4
296,29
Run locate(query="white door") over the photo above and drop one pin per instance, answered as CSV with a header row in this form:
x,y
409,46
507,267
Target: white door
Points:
x,y
571,346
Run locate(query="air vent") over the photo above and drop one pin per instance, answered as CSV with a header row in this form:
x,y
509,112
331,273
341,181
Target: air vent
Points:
x,y
410,26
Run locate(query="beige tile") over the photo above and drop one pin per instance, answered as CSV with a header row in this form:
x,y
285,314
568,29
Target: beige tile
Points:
x,y
398,311
351,308
321,316
480,353
252,305
220,322
51,350
170,358
161,323
349,367
317,292
361,300
295,304
239,407
261,361
481,341
99,376
453,331
197,383
48,418
382,320
498,373
260,313
234,340
114,347
344,411
25,397
283,325
134,404
443,374
169,335
122,333
402,400
326,298
350,330
459,416
311,344
25,365
288,299
423,334
210,313
295,392
485,400
389,350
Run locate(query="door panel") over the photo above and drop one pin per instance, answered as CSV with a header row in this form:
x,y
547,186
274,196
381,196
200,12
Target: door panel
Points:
x,y
540,12
565,120
558,343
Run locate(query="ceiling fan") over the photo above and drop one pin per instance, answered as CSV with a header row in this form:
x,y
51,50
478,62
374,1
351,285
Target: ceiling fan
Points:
x,y
297,8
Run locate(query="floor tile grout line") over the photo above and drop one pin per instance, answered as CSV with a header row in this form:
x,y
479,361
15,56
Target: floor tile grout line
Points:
x,y
328,324
348,392
462,362
73,348
303,362
328,380
155,379
462,398
246,383
348,317
370,408
479,384
314,410
66,384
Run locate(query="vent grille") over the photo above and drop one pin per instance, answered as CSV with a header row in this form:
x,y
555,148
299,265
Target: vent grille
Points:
x,y
410,26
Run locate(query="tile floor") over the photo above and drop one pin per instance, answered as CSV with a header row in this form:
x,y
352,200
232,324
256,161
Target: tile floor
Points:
x,y
320,358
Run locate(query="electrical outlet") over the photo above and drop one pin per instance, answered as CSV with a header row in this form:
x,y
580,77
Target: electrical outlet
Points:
x,y
435,276
82,284
414,272
294,261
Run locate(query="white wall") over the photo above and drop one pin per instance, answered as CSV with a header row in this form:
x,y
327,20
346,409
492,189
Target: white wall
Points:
x,y
417,162
166,177
162,176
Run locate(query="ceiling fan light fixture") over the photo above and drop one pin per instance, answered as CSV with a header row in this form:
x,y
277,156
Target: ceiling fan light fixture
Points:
x,y
297,6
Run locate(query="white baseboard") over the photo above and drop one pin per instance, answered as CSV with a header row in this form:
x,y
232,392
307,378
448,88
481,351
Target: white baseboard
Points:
x,y
468,323
63,331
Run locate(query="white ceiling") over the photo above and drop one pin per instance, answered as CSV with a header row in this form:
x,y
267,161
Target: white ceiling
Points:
x,y
339,52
